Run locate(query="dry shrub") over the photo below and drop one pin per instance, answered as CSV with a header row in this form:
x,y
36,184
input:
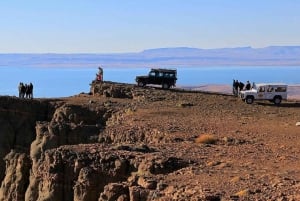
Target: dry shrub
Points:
x,y
206,139
243,193
235,179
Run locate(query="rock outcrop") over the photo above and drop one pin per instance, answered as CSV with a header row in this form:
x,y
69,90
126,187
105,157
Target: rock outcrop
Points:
x,y
69,173
111,89
30,127
16,179
53,161
17,124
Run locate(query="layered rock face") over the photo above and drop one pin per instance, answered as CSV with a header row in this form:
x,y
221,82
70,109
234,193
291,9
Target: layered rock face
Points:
x,y
30,127
50,152
15,183
17,124
94,172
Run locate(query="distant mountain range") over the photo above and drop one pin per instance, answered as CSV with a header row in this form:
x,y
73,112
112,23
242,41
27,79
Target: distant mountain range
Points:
x,y
160,57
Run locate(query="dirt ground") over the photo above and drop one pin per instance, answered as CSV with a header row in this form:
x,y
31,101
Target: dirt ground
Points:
x,y
255,154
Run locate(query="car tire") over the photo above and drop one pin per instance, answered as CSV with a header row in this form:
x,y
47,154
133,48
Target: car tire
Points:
x,y
277,100
249,100
141,84
165,86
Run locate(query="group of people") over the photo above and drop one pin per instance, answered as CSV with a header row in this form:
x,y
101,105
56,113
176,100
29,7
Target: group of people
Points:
x,y
25,90
238,86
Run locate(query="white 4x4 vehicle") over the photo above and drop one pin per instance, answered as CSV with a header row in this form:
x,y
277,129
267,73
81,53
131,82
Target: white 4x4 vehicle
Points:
x,y
265,91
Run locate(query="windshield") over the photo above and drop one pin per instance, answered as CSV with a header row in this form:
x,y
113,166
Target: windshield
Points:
x,y
152,73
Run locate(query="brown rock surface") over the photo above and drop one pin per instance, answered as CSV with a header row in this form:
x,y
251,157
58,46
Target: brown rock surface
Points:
x,y
17,122
138,144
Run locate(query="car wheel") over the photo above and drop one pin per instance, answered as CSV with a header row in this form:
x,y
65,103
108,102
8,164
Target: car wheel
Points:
x,y
165,86
249,100
277,100
141,84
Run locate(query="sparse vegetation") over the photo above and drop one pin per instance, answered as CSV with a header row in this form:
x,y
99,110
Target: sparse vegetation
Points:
x,y
184,104
243,193
206,139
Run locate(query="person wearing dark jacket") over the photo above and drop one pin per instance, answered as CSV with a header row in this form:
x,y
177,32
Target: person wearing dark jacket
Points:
x,y
248,86
241,86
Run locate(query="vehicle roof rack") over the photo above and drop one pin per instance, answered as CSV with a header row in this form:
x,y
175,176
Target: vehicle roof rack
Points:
x,y
164,69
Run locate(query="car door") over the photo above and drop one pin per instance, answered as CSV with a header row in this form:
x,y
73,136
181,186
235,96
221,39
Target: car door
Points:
x,y
152,77
261,92
160,78
269,94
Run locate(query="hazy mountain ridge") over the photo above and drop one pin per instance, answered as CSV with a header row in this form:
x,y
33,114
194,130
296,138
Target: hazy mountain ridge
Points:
x,y
180,56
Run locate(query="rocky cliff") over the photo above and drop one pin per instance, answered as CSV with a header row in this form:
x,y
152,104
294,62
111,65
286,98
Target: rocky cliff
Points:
x,y
123,143
38,164
17,124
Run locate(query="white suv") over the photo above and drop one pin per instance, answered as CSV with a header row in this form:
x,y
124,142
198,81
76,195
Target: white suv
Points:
x,y
265,91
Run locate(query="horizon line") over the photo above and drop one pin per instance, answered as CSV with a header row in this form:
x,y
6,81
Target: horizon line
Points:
x,y
158,48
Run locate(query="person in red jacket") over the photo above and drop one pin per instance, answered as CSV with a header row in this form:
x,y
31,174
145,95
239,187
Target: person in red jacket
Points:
x,y
99,75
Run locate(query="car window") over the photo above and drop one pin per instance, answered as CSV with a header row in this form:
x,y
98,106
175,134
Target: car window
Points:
x,y
152,74
280,89
261,89
270,89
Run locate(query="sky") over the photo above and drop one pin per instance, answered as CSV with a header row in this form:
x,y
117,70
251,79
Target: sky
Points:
x,y
122,26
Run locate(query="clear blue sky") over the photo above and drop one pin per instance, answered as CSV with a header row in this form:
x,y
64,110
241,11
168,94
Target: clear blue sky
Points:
x,y
113,26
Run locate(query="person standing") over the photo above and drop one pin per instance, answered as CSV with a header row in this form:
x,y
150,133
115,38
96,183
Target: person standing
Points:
x,y
30,87
236,87
248,86
26,91
241,87
20,89
233,87
100,74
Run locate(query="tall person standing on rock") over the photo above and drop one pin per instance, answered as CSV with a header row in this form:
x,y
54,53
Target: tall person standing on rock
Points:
x,y
100,74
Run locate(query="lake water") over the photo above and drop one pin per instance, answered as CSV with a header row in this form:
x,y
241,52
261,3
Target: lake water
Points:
x,y
62,82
